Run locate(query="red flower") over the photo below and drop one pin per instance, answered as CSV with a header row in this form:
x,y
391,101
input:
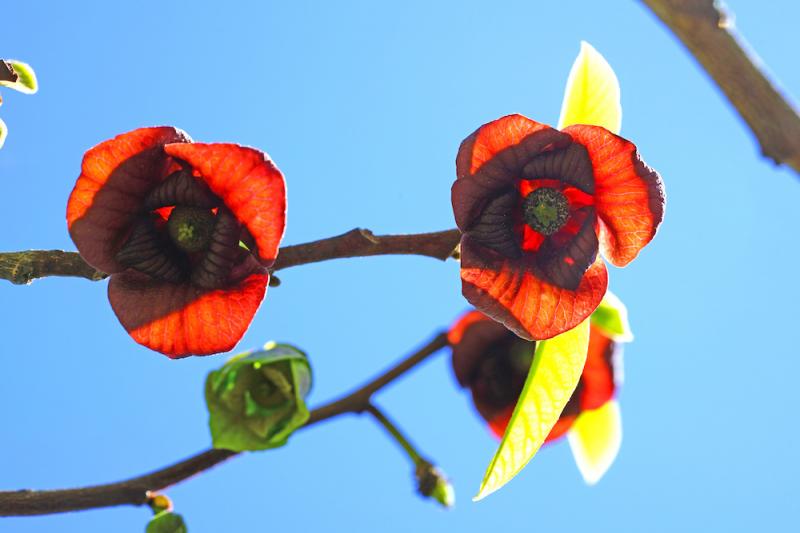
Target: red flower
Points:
x,y
534,205
165,217
493,363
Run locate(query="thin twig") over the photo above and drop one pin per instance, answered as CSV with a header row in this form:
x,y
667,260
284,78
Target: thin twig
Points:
x,y
24,267
135,491
394,432
708,33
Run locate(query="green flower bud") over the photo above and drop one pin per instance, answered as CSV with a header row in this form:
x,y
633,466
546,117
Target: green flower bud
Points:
x,y
166,522
257,399
432,483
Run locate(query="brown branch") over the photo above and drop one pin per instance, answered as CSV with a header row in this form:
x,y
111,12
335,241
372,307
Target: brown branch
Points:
x,y
136,491
707,32
361,243
24,267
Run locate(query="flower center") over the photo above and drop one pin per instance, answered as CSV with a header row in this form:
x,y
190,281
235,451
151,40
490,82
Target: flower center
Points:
x,y
190,228
546,210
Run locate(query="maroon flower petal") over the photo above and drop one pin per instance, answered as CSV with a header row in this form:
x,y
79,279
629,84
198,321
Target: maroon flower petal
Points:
x,y
509,292
629,195
115,177
181,319
493,158
249,184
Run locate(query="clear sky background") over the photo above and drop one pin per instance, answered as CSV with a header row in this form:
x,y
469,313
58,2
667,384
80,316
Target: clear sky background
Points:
x,y
363,106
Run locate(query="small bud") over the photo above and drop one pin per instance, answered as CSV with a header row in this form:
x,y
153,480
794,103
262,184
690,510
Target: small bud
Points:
x,y
159,503
257,399
432,483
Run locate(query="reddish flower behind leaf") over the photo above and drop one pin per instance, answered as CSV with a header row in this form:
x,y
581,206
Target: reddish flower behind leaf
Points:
x,y
535,205
492,362
186,230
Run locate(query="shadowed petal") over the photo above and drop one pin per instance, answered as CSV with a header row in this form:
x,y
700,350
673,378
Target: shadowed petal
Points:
x,y
181,319
115,177
492,159
248,182
506,291
629,195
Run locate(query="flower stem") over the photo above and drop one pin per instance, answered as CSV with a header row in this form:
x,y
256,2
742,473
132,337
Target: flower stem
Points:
x,y
139,490
395,433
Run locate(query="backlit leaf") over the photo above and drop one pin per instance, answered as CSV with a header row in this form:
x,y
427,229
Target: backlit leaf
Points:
x,y
611,316
595,439
554,374
592,93
26,78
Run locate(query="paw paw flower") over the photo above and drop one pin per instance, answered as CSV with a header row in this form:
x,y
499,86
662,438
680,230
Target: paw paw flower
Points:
x,y
493,363
535,205
186,231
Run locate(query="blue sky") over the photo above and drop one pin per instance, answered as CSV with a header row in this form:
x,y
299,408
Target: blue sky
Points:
x,y
363,106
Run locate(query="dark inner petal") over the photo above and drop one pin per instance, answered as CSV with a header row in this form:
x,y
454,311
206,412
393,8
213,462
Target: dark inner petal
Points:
x,y
570,165
494,228
565,265
499,376
181,188
213,269
149,251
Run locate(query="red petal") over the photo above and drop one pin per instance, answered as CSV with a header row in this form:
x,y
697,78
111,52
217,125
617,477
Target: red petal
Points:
x,y
562,426
250,185
499,423
598,374
457,330
491,138
629,195
181,320
115,177
527,305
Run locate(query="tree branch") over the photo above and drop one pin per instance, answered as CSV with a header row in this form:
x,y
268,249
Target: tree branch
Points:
x,y
705,29
24,267
137,490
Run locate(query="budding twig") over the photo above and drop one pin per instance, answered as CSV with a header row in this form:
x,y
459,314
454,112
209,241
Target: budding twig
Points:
x,y
139,490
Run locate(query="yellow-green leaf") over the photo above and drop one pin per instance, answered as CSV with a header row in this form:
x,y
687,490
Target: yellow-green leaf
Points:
x,y
592,93
3,132
611,316
554,374
26,78
595,438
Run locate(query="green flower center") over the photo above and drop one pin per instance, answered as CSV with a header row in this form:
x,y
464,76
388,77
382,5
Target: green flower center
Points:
x,y
190,228
546,210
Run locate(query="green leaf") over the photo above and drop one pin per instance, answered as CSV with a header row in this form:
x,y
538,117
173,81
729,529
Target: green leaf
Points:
x,y
166,522
3,133
26,78
611,316
592,93
554,374
257,399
